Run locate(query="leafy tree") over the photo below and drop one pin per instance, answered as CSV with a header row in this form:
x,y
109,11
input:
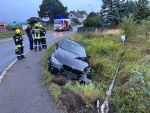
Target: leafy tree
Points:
x,y
112,12
146,28
52,9
92,22
143,9
75,21
92,15
129,26
131,7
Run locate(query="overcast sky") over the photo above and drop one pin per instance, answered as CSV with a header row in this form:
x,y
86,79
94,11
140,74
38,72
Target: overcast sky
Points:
x,y
21,10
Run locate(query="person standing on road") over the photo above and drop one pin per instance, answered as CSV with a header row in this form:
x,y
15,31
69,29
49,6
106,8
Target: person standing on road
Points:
x,y
37,37
43,38
29,34
18,39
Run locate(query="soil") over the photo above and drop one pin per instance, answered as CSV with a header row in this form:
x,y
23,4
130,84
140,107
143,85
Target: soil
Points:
x,y
59,80
74,103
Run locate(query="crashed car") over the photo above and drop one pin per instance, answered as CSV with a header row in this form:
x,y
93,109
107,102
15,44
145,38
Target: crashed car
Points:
x,y
70,59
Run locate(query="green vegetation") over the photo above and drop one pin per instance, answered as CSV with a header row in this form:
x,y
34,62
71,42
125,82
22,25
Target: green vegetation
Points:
x,y
52,9
56,91
113,11
132,91
6,34
47,75
92,22
132,87
89,92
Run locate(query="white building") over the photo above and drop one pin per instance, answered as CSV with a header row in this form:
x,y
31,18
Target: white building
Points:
x,y
77,15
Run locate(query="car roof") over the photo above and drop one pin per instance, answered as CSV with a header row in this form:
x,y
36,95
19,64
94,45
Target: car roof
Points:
x,y
69,40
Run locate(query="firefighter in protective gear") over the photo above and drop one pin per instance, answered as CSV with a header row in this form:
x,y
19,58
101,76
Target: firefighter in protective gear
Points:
x,y
43,38
18,39
37,37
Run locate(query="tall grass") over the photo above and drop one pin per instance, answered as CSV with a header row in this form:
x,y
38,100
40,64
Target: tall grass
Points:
x,y
89,92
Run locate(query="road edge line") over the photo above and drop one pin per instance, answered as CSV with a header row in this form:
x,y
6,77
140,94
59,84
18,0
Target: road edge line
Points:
x,y
8,68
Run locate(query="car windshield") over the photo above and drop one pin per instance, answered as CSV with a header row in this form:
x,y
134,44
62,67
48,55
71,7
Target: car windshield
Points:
x,y
58,22
73,48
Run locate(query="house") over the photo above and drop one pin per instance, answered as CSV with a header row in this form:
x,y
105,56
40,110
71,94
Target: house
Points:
x,y
77,15
3,26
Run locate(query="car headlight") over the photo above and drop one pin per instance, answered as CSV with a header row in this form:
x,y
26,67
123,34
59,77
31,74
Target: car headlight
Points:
x,y
55,61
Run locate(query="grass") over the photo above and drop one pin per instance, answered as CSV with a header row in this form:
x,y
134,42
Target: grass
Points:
x,y
11,33
47,75
132,88
88,92
132,91
56,91
8,34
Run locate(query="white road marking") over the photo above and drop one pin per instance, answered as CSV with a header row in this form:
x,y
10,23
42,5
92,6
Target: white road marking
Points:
x,y
8,68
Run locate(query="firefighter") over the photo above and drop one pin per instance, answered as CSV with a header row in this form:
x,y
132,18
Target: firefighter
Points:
x,y
37,37
18,39
43,38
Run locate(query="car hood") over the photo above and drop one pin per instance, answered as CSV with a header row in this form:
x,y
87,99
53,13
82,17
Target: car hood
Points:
x,y
70,59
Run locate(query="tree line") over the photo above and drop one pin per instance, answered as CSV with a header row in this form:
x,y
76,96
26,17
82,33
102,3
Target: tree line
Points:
x,y
113,11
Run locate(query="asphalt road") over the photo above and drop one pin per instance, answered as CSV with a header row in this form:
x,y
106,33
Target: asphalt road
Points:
x,y
7,48
21,90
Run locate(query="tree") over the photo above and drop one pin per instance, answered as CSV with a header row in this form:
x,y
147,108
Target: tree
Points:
x,y
131,7
52,9
112,12
92,22
129,26
146,28
143,9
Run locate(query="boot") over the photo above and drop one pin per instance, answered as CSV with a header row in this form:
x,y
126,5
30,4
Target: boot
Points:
x,y
22,56
35,49
40,48
19,57
45,46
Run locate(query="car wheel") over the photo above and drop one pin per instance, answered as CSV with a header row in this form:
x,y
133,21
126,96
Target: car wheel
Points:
x,y
89,76
82,82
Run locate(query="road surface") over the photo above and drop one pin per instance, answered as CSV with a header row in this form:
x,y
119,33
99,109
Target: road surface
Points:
x,y
7,48
21,90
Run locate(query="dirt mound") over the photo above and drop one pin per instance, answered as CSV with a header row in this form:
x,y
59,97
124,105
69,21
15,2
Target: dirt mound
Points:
x,y
74,103
59,80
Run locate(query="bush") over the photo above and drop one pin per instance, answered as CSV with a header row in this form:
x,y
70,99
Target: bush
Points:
x,y
129,26
75,21
92,22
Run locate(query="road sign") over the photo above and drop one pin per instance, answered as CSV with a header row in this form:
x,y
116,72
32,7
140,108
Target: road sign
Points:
x,y
123,37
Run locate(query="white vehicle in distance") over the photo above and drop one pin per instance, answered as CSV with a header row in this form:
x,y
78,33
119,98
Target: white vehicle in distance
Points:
x,y
62,24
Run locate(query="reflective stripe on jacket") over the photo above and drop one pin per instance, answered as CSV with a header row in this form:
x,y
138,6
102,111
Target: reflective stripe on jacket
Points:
x,y
36,33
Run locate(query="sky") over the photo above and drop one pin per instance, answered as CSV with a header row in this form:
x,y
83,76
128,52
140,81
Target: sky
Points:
x,y
21,10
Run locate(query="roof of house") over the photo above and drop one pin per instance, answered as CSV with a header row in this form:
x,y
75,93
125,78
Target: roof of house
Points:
x,y
35,19
3,23
92,14
77,14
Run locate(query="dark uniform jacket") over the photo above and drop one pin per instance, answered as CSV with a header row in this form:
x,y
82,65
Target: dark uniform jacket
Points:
x,y
43,32
18,40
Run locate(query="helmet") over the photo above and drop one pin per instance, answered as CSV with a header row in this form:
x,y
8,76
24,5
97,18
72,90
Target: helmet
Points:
x,y
18,31
36,25
40,25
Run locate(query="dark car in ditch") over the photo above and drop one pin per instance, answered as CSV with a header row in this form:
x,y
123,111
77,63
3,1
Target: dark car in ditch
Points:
x,y
71,60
